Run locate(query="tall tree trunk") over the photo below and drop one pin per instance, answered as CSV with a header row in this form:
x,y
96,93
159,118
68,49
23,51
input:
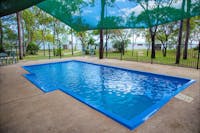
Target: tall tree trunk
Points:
x,y
132,49
101,45
165,51
185,52
123,49
152,33
19,35
101,49
1,36
178,50
23,42
106,43
148,49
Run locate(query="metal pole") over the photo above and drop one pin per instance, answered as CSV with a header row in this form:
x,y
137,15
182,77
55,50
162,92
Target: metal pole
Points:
x,y
49,51
54,34
121,52
60,49
106,43
198,56
72,43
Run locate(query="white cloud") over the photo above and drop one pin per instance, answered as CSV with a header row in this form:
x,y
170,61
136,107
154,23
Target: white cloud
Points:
x,y
138,9
97,18
112,12
87,11
120,0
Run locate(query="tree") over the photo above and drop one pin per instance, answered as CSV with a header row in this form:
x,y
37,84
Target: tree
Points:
x,y
163,34
1,36
148,41
187,31
91,41
151,16
19,35
122,37
29,17
9,33
44,21
153,34
136,34
118,45
32,48
178,50
83,37
195,34
185,51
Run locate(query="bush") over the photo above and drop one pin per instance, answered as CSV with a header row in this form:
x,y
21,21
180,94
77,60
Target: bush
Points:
x,y
32,48
196,48
58,52
118,45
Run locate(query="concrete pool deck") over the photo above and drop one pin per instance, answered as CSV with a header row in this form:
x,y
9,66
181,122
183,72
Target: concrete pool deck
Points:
x,y
25,108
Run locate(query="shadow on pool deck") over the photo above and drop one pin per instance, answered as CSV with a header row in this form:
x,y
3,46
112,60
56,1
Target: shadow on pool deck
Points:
x,y
24,108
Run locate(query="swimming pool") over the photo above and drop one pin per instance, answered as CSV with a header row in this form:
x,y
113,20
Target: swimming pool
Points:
x,y
129,97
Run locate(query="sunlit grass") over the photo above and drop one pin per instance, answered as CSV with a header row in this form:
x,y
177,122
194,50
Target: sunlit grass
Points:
x,y
138,55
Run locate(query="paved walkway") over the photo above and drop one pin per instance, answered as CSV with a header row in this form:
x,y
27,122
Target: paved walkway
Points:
x,y
26,109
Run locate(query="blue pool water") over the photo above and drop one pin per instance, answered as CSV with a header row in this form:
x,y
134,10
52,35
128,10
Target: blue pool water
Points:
x,y
127,96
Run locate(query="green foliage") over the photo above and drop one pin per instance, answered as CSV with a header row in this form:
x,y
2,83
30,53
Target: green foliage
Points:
x,y
196,48
32,48
91,41
118,45
7,46
58,52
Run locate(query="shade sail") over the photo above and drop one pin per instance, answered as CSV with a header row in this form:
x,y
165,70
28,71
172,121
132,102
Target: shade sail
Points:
x,y
109,14
114,14
11,6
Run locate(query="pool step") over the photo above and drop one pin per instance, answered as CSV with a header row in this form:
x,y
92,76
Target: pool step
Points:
x,y
184,98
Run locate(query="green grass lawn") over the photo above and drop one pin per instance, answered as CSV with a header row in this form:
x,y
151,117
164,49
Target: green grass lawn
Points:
x,y
138,55
141,56
40,55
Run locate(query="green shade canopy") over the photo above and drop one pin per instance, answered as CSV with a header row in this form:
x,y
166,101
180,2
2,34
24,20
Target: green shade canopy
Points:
x,y
115,14
11,6
84,15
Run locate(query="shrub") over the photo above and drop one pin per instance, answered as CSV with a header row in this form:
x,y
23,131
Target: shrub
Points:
x,y
117,45
196,48
58,52
32,48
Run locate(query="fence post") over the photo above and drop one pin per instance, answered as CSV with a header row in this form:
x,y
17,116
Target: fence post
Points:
x,y
49,51
151,60
121,52
198,56
60,49
121,55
